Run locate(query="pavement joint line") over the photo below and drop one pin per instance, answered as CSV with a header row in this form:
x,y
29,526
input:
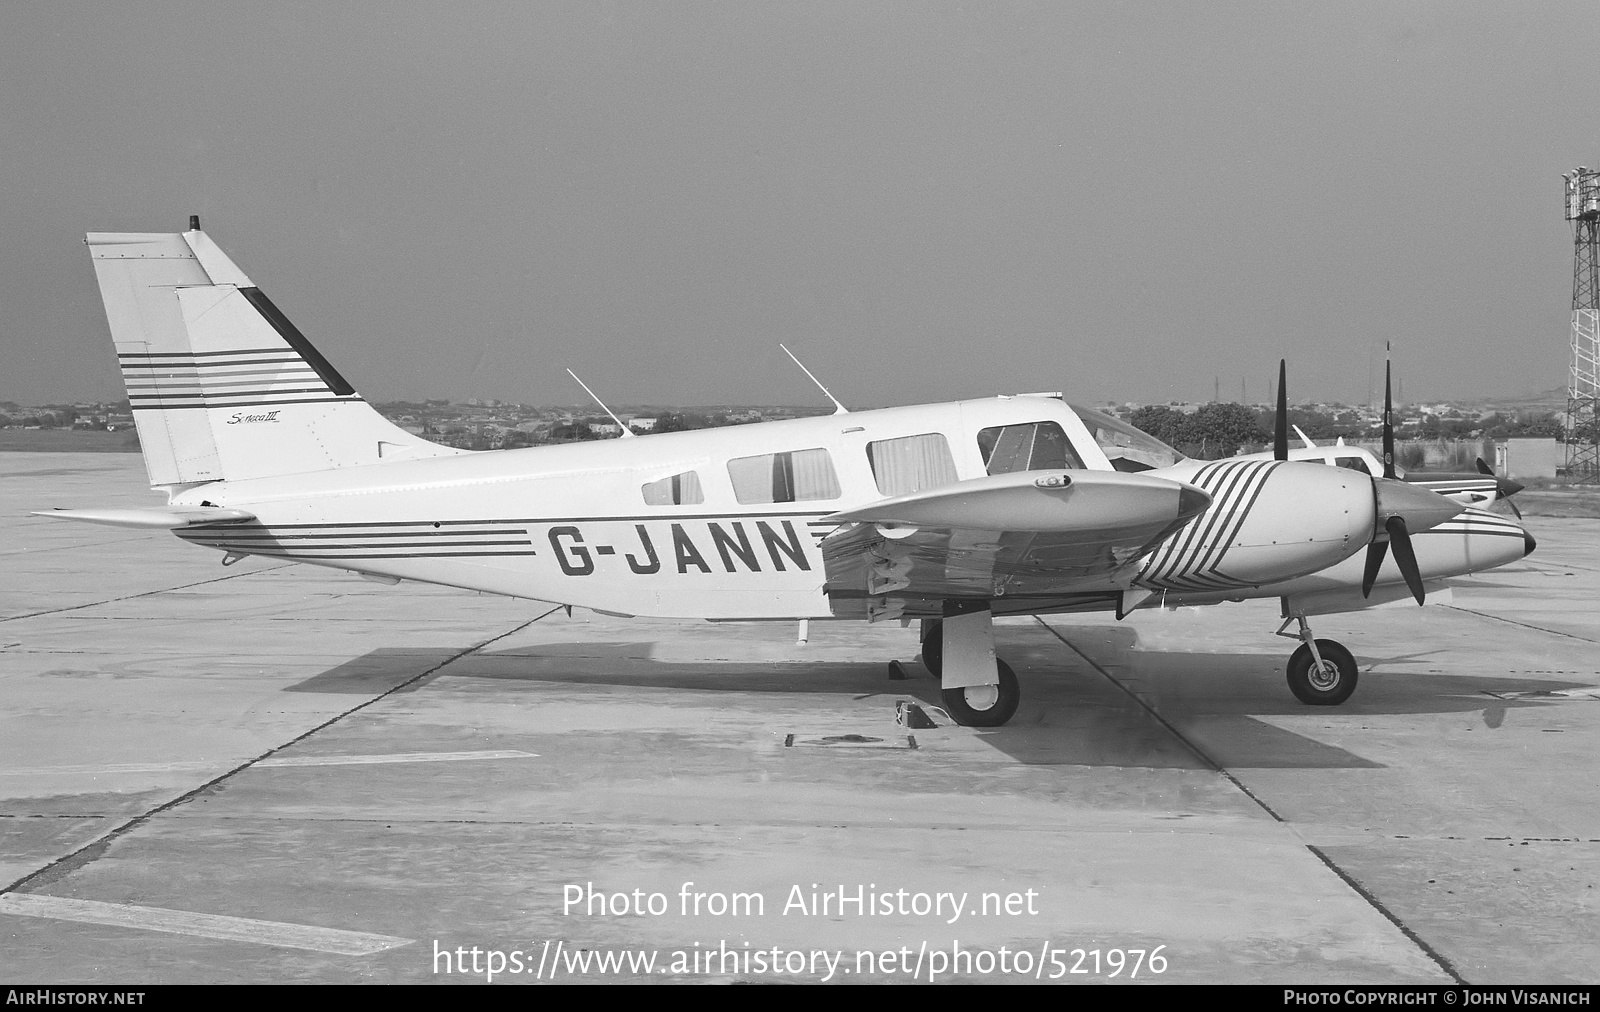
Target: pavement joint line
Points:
x,y
231,761
1373,901
1047,831
67,548
396,757
147,593
1525,625
76,859
185,922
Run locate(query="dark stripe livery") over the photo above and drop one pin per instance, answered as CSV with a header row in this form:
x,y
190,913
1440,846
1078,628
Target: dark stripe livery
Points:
x,y
361,541
246,378
1191,559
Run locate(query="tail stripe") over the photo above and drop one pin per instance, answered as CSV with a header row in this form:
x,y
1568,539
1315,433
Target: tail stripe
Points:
x,y
173,380
290,333
200,354
162,395
241,404
238,383
180,364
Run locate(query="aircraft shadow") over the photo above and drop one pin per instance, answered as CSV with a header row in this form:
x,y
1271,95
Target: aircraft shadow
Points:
x,y
1071,714
1185,683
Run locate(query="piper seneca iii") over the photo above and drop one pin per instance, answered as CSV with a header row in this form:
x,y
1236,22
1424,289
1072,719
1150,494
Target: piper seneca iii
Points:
x,y
949,514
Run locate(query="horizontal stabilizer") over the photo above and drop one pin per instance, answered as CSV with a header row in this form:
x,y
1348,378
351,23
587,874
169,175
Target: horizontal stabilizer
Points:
x,y
168,518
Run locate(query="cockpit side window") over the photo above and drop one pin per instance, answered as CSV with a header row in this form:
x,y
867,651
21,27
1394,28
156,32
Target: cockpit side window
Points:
x,y
1034,446
1353,463
679,490
1128,448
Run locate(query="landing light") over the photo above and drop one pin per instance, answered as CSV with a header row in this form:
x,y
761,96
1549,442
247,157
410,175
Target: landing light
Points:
x,y
1054,481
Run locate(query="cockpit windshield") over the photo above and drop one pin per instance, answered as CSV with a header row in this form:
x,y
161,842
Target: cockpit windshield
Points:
x,y
1126,447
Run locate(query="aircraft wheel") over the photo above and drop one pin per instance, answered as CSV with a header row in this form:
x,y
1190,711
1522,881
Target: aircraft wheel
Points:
x,y
1328,687
985,705
933,649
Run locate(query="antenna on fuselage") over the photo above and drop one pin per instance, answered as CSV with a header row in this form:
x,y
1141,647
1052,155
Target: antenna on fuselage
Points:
x,y
842,409
626,432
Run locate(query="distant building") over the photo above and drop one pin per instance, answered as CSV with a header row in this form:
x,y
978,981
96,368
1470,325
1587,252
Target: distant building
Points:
x,y
1530,458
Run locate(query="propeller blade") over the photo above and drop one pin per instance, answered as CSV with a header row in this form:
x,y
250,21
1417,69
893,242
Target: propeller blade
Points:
x,y
1280,429
1369,576
1404,557
1505,486
1388,423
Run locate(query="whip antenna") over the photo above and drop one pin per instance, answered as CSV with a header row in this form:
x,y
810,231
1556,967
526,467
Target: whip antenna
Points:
x,y
626,432
842,409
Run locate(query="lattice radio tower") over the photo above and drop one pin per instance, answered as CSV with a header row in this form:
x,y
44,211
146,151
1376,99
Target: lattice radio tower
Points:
x,y
1581,433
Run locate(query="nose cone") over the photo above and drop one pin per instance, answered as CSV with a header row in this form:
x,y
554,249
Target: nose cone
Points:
x,y
1508,487
1529,543
1421,508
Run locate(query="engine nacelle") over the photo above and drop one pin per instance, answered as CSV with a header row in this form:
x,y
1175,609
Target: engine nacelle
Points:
x,y
1269,521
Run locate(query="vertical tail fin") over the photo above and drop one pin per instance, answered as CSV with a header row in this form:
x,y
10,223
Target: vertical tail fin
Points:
x,y
222,385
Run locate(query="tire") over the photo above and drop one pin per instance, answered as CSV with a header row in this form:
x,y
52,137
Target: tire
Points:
x,y
985,705
933,649
1336,682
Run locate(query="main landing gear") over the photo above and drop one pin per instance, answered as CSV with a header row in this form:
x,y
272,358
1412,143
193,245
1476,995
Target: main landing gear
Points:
x,y
978,689
1321,672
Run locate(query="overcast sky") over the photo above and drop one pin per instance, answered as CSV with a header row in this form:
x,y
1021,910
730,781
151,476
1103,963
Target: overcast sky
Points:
x,y
924,201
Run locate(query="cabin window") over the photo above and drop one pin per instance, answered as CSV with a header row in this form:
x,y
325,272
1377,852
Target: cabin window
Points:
x,y
1353,463
1036,446
792,476
912,463
678,490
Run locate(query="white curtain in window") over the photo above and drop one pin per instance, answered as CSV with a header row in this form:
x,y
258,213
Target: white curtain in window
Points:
x,y
674,491
658,493
814,477
784,477
689,491
752,478
912,463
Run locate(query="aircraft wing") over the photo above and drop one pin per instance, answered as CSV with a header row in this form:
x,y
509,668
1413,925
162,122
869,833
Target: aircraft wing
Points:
x,y
158,518
1032,535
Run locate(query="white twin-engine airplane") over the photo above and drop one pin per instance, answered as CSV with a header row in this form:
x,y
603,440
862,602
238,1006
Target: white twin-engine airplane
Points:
x,y
946,513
